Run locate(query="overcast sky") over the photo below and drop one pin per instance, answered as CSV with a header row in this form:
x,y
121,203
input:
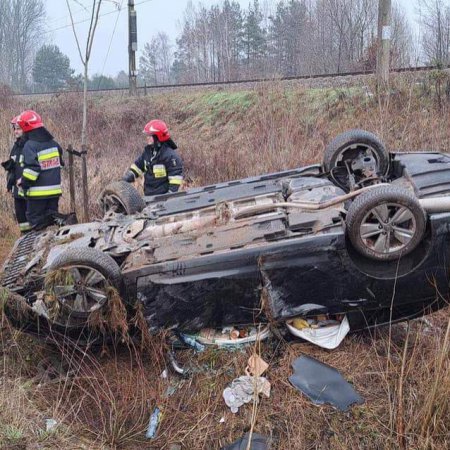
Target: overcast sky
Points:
x,y
153,16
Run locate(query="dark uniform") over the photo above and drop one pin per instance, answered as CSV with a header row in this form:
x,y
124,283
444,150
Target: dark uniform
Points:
x,y
162,167
14,167
41,177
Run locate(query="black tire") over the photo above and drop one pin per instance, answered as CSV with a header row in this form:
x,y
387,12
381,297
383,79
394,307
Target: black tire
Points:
x,y
347,146
121,197
386,223
104,267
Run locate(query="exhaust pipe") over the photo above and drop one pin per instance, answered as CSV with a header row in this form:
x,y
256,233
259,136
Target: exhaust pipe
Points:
x,y
435,204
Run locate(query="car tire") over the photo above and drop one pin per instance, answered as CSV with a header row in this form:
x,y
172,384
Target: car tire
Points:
x,y
95,270
386,223
346,146
121,197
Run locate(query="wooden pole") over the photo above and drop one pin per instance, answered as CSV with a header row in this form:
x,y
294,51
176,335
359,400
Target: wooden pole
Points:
x,y
71,179
384,44
84,183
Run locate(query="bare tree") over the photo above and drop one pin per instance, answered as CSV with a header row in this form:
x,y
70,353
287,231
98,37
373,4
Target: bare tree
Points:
x,y
435,21
85,56
21,23
156,60
300,37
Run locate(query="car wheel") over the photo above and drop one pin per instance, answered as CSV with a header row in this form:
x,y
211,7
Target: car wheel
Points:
x,y
385,223
354,157
121,197
79,282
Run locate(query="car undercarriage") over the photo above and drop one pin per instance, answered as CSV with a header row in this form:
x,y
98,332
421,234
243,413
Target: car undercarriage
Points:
x,y
350,236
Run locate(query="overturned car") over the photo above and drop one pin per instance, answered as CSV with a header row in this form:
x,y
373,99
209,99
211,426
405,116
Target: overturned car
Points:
x,y
365,234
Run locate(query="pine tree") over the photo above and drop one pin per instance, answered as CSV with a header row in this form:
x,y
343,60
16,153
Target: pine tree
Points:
x,y
255,45
51,68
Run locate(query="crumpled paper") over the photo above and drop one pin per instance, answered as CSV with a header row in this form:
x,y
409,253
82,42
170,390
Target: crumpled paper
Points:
x,y
242,390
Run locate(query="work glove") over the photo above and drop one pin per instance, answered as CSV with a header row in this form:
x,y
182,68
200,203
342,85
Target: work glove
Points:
x,y
8,165
129,177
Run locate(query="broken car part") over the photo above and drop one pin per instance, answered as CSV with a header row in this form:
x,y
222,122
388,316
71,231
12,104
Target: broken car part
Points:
x,y
250,441
323,384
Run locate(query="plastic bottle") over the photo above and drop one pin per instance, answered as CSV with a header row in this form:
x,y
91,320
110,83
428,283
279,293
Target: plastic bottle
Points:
x,y
153,424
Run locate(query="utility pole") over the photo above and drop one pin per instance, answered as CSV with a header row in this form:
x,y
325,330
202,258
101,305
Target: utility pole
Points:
x,y
132,47
384,44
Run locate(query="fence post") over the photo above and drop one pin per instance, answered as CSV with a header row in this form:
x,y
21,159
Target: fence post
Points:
x,y
84,183
71,179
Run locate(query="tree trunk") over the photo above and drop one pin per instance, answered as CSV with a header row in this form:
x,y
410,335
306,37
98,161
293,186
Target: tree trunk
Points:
x,y
84,124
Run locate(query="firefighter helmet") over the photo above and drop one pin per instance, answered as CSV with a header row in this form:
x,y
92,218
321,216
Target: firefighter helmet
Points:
x,y
157,128
29,120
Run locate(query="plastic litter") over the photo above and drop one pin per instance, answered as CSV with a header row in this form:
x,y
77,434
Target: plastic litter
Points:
x,y
323,384
153,424
323,332
50,424
257,442
243,389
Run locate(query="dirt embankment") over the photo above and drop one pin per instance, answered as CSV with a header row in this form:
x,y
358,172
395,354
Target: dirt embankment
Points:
x,y
105,400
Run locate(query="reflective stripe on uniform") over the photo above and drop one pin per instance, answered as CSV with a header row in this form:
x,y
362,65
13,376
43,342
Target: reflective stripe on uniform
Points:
x,y
30,174
25,226
44,191
176,179
159,170
48,153
136,170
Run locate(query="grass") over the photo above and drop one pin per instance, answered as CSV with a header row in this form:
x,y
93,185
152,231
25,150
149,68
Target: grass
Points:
x,y
104,400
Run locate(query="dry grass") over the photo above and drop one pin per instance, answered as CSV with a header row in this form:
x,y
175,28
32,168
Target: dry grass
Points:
x,y
105,400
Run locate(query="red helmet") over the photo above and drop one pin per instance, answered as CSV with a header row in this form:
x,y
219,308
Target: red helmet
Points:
x,y
157,128
29,120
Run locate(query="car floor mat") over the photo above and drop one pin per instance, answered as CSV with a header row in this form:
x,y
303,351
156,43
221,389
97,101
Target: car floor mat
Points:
x,y
323,384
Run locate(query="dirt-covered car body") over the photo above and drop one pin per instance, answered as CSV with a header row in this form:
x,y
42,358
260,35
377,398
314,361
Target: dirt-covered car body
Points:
x,y
241,252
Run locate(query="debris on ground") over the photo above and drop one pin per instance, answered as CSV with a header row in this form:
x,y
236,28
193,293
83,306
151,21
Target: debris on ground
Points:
x,y
256,441
323,384
322,330
243,389
256,366
50,424
153,424
232,336
192,342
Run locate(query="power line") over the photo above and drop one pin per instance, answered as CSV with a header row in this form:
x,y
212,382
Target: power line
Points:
x,y
87,20
110,43
57,19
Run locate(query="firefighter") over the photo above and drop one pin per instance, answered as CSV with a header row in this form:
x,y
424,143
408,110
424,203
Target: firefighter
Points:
x,y
40,183
160,163
13,166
